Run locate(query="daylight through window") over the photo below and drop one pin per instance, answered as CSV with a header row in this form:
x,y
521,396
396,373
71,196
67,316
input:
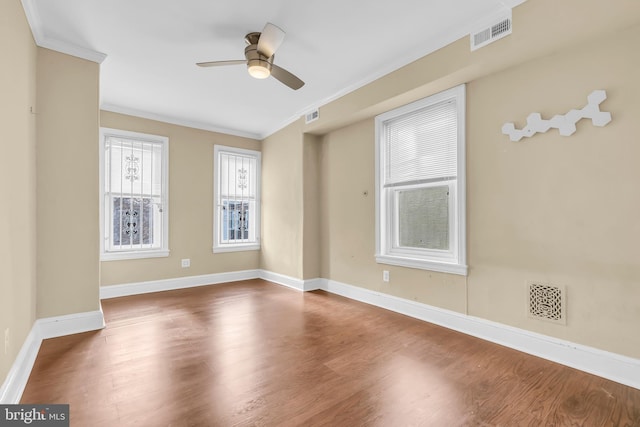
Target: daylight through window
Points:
x,y
237,199
134,195
420,184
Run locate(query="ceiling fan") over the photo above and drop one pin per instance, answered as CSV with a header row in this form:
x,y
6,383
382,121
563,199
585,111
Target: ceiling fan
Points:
x,y
259,54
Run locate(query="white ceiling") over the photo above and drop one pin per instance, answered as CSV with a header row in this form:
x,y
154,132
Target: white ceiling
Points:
x,y
335,46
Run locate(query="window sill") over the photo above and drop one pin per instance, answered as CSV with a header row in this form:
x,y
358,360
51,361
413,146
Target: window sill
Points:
x,y
439,266
116,256
237,248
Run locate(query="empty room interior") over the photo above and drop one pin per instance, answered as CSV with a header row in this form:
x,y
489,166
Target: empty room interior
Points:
x,y
403,224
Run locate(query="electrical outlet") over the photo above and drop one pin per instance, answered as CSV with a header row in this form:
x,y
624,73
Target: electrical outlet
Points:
x,y
6,341
186,263
385,275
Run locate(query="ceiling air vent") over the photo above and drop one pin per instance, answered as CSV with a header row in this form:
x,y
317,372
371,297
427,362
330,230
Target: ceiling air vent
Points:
x,y
312,116
495,30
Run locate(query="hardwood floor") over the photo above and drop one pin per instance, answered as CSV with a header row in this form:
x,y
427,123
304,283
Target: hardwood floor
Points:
x,y
257,354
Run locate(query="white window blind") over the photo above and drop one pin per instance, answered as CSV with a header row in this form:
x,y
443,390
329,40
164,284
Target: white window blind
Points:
x,y
420,201
422,146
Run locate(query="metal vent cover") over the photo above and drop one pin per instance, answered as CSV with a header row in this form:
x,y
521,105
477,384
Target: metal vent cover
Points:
x,y
546,302
312,116
495,30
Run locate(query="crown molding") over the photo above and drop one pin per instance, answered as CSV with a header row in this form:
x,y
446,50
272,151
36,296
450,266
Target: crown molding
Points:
x,y
42,40
177,121
463,29
441,40
72,49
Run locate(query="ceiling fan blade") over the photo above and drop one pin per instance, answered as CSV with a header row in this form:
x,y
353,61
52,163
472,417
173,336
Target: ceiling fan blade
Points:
x,y
270,40
219,63
286,77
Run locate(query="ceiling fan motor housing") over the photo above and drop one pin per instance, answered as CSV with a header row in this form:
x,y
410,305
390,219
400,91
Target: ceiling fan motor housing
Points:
x,y
259,55
259,66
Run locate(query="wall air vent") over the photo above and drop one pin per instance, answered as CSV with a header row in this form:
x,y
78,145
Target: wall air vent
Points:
x,y
312,116
495,30
546,302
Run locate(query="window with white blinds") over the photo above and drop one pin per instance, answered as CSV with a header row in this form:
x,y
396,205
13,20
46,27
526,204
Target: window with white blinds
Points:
x,y
237,199
420,184
134,184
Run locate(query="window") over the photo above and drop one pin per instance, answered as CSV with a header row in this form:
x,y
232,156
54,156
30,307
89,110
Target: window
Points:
x,y
237,199
134,188
420,184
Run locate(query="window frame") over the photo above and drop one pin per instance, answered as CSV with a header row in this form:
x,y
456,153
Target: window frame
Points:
x,y
454,261
163,249
218,246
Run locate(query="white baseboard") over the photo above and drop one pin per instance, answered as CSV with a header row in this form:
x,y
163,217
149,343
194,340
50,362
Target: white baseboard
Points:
x,y
615,367
612,366
123,290
127,289
291,282
313,284
281,279
50,327
16,381
59,326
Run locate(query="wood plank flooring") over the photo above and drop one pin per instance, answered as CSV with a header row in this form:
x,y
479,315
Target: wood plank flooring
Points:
x,y
254,353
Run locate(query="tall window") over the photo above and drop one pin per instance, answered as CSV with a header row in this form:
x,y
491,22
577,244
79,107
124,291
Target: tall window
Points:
x,y
237,199
420,184
134,187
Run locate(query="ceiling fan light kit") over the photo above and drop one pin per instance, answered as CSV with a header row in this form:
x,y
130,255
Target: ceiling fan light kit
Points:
x,y
258,65
259,55
258,69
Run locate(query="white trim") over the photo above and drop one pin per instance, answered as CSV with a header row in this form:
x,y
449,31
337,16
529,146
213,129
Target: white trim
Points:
x,y
451,261
236,247
162,251
291,282
615,367
456,32
59,326
612,366
41,39
177,121
33,18
442,267
313,284
116,256
281,279
13,386
72,49
253,243
49,327
126,289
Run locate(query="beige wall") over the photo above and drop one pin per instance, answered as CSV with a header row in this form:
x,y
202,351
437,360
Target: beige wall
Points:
x,y
540,27
311,207
282,202
537,210
190,206
291,203
67,182
17,181
554,209
560,210
348,225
